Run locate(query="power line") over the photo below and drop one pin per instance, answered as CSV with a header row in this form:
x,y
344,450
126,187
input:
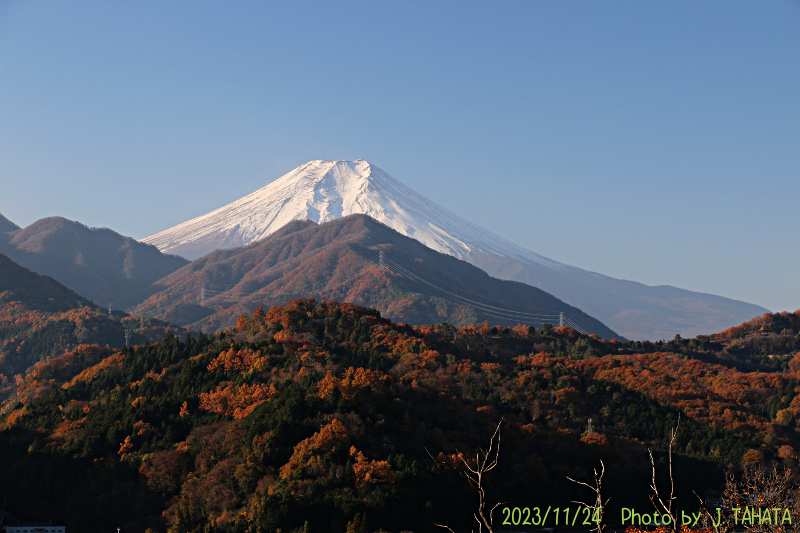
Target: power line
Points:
x,y
510,313
549,316
486,308
493,311
575,326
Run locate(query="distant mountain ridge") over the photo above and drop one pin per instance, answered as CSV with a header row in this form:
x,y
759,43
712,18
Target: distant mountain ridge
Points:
x,y
340,260
325,190
6,225
40,319
43,293
99,264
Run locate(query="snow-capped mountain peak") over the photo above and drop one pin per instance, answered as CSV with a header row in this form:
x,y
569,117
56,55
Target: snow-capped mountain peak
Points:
x,y
321,191
325,190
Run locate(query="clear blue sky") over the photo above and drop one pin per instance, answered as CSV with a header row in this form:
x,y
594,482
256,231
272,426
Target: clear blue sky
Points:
x,y
651,141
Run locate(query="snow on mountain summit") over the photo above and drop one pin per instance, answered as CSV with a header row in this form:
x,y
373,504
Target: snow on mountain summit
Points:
x,y
321,191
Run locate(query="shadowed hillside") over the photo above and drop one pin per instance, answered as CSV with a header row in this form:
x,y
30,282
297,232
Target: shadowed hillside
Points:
x,y
99,264
39,292
326,417
41,319
6,226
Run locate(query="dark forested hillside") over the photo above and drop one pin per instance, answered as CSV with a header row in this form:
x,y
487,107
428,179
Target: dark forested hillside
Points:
x,y
99,264
326,417
766,343
6,226
40,319
41,293
354,259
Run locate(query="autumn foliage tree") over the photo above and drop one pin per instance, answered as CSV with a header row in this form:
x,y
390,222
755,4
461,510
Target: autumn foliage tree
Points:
x,y
321,412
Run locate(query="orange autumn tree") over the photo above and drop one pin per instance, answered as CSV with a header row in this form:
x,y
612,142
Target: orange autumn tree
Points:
x,y
233,360
368,472
353,381
237,401
331,438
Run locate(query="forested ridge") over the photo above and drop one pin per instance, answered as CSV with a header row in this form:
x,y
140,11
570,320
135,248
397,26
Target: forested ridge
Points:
x,y
41,319
98,263
353,259
322,416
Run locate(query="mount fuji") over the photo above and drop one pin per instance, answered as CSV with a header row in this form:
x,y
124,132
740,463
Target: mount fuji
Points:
x,y
322,191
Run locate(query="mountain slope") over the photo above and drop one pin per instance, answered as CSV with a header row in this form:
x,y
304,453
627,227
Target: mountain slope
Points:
x,y
321,191
633,309
99,264
6,225
309,413
324,190
39,292
41,319
340,260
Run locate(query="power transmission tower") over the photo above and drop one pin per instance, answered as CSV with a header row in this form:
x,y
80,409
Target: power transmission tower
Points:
x,y
128,338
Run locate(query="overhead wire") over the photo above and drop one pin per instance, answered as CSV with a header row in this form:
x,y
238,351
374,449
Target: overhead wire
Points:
x,y
494,311
505,313
553,317
575,326
552,313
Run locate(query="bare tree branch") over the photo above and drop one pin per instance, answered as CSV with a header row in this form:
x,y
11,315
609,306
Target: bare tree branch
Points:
x,y
720,525
763,486
598,508
658,503
485,461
